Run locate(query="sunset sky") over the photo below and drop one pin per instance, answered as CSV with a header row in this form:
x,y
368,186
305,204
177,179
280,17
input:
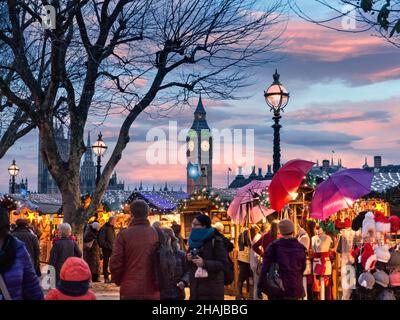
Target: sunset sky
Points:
x,y
344,96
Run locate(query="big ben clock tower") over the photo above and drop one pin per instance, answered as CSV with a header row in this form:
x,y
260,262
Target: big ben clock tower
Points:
x,y
199,151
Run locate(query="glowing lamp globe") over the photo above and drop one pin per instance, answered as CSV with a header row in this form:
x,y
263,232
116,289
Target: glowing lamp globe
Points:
x,y
276,96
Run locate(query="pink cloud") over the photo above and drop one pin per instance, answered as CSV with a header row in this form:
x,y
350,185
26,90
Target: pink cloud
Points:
x,y
325,44
392,73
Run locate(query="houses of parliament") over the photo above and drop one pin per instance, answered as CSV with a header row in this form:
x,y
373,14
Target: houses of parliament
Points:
x,y
46,183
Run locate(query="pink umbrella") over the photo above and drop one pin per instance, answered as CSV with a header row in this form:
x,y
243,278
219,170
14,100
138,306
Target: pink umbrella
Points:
x,y
242,205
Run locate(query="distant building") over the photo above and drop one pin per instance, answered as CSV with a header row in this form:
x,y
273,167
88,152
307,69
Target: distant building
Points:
x,y
199,151
114,184
46,183
88,170
378,161
18,187
240,180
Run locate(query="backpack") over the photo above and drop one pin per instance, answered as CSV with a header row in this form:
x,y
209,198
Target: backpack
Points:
x,y
102,237
164,262
272,284
228,269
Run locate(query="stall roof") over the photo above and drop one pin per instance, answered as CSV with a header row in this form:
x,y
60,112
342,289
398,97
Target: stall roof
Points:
x,y
44,203
116,198
166,201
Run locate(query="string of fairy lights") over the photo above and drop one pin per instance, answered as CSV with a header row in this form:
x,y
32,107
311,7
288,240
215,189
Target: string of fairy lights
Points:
x,y
220,199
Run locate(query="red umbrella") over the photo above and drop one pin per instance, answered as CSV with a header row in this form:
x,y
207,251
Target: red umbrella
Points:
x,y
286,181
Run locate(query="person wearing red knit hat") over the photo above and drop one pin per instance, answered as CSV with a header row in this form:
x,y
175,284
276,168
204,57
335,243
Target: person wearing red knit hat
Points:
x,y
74,282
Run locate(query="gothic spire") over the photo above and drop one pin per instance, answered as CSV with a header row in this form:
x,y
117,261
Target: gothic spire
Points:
x,y
88,153
200,108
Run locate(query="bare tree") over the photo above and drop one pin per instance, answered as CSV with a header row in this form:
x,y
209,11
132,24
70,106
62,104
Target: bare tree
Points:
x,y
380,17
127,56
14,123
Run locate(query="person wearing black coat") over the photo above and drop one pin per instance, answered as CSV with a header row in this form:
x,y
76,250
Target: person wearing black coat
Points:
x,y
206,251
180,279
23,233
63,248
91,250
106,242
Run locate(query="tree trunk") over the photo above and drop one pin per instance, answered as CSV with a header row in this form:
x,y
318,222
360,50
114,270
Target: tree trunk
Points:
x,y
73,212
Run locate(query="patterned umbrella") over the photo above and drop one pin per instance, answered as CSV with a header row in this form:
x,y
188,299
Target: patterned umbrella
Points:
x,y
242,208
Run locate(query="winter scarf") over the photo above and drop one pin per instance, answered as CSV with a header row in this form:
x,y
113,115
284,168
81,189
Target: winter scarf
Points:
x,y
198,236
73,288
8,253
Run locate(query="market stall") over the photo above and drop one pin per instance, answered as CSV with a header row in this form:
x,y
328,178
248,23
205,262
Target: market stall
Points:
x,y
213,202
163,207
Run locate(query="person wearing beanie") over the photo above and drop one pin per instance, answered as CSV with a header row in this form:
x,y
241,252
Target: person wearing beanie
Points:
x,y
382,278
366,280
208,259
91,250
74,282
132,260
290,255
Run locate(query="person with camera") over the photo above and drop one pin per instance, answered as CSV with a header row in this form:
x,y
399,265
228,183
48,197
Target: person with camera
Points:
x,y
207,258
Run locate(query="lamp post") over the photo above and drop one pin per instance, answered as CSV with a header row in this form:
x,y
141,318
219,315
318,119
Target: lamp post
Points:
x,y
277,98
99,148
13,171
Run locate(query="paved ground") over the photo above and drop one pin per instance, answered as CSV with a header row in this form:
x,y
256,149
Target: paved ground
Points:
x,y
111,291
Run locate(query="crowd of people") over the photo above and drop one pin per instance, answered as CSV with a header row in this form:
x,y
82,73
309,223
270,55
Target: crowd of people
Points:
x,y
152,262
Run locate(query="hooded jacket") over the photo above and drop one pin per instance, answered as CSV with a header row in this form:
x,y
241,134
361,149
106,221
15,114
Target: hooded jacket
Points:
x,y
74,285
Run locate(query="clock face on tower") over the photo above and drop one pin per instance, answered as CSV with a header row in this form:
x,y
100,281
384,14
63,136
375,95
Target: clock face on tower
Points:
x,y
191,145
205,145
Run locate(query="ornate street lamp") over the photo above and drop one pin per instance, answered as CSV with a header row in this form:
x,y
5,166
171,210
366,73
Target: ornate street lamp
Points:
x,y
277,98
13,171
99,148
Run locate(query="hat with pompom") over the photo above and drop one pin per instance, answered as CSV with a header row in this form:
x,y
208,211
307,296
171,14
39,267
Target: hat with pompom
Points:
x,y
382,222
